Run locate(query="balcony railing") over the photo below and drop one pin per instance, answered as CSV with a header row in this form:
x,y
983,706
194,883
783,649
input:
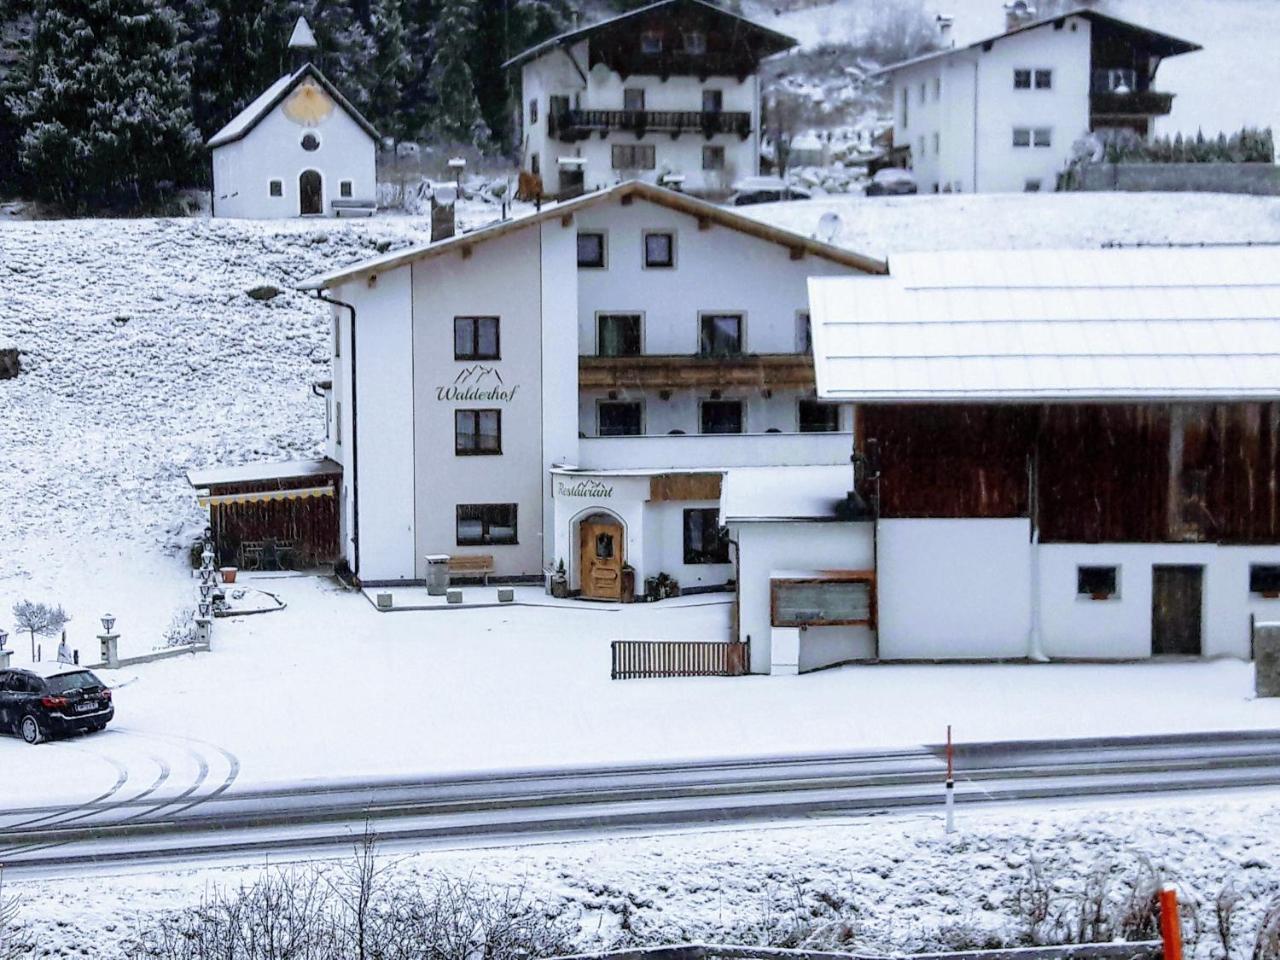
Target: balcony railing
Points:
x,y
1142,103
686,451
763,370
580,124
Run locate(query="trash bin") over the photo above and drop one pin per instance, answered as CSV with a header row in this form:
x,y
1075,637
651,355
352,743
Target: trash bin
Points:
x,y
437,574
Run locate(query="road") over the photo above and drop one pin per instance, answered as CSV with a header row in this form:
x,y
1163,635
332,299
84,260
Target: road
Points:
x,y
222,821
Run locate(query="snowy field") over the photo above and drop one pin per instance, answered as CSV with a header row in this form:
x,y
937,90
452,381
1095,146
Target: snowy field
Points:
x,y
873,885
527,687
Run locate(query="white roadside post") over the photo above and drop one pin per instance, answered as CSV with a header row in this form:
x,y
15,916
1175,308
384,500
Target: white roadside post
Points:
x,y
5,654
951,786
109,642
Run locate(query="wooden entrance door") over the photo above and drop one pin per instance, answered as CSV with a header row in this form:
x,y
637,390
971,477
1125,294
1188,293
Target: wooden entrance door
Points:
x,y
310,193
1176,596
601,548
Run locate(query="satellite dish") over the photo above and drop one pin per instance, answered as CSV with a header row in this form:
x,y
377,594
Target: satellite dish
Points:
x,y
829,227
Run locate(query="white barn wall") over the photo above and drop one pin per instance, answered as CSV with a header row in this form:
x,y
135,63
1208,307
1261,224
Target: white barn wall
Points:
x,y
765,547
272,150
954,588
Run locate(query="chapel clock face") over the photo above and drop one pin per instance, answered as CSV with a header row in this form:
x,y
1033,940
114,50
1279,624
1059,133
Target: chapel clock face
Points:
x,y
309,105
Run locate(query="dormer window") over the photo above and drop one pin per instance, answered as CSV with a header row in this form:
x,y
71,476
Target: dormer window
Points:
x,y
695,42
650,42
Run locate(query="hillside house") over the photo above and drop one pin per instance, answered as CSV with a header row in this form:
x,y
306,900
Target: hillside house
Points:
x,y
1001,114
671,88
1063,454
299,150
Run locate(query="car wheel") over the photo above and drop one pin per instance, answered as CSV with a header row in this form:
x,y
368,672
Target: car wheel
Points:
x,y
30,729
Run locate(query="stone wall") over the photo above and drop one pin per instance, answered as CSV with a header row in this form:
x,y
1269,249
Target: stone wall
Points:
x,y
1261,179
8,363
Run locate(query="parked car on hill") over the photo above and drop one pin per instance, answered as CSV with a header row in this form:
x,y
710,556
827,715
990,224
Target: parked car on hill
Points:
x,y
892,182
765,190
52,701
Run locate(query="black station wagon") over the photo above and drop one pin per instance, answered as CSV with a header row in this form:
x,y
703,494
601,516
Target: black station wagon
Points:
x,y
64,700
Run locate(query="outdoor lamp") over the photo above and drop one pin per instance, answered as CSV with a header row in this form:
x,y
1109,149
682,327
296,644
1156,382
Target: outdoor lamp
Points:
x,y
205,590
206,575
108,621
4,635
205,609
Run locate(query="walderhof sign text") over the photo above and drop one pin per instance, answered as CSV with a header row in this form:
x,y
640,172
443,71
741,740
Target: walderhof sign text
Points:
x,y
477,383
587,489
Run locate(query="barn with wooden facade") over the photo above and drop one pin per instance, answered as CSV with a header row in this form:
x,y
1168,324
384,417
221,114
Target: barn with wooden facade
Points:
x,y
1071,454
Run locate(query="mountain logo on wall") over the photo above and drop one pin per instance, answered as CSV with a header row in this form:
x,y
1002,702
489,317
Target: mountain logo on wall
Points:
x,y
477,382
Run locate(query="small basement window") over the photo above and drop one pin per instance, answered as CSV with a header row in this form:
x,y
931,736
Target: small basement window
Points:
x,y
276,188
1264,579
1097,583
344,189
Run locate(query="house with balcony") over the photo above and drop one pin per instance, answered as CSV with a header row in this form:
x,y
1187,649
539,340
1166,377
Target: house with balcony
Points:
x,y
572,386
668,90
1001,114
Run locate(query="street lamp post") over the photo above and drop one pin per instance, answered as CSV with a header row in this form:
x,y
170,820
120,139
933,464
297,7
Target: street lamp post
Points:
x,y
205,589
109,642
5,653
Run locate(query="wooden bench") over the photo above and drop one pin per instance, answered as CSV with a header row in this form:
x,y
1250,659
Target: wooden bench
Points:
x,y
480,565
354,208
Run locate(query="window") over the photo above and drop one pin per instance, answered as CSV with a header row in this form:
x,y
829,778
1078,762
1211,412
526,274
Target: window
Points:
x,y
618,335
591,248
1031,186
650,42
695,42
720,334
906,105
477,432
713,158
1021,137
1022,79
1096,583
923,92
1264,578
337,337
475,338
921,145
533,111
276,188
1044,79
1042,137
633,156
712,101
310,142
337,422
819,417
721,416
804,334
937,144
480,524
344,188
618,418
659,249
633,98
705,541
937,88
535,166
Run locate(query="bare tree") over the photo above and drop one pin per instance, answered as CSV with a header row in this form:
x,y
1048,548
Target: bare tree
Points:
x,y
39,618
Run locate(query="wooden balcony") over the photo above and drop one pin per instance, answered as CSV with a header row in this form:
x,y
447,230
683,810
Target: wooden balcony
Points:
x,y
1138,103
571,125
666,372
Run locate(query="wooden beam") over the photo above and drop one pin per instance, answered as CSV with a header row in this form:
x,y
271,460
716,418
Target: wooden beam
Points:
x,y
797,253
760,371
627,199
566,220
704,223
466,252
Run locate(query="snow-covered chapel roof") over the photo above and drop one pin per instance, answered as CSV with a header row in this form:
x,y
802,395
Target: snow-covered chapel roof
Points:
x,y
255,112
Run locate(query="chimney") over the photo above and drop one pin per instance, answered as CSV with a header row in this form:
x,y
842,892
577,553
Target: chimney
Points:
x,y
302,45
945,22
1018,13
443,224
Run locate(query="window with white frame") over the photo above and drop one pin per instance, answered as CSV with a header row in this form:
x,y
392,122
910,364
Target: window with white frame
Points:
x,y
618,335
659,249
1097,582
619,418
1022,136
720,335
634,156
482,524
721,416
1042,137
591,250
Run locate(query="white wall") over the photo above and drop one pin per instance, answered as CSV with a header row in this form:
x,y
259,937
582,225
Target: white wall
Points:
x,y
621,497
719,450
1120,627
559,366
665,551
954,588
243,170
987,105
765,547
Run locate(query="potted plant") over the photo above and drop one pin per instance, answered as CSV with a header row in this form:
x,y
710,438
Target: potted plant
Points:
x,y
560,581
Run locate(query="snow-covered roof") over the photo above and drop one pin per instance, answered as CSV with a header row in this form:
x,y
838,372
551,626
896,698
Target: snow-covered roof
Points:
x,y
672,199
258,472
255,112
1118,324
302,38
783,493
1163,43
780,40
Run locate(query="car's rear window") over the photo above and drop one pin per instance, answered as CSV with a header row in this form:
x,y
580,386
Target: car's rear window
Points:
x,y
72,681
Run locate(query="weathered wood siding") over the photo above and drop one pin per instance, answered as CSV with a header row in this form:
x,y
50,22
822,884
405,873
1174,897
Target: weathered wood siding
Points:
x,y
1119,473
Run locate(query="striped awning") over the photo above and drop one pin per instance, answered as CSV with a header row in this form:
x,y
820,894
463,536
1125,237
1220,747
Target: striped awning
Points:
x,y
263,496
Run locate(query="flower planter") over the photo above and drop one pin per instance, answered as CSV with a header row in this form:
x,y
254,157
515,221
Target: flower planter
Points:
x,y
228,574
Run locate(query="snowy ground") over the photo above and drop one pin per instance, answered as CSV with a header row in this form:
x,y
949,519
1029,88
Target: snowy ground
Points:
x,y
871,885
525,687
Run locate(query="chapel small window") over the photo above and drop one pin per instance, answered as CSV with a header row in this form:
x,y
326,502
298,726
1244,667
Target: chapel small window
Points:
x,y
344,189
310,142
276,188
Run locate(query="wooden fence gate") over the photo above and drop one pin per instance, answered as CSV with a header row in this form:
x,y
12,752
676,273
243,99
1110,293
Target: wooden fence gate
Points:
x,y
639,659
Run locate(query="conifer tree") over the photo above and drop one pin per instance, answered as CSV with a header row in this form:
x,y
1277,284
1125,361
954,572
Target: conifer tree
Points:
x,y
391,68
457,118
107,118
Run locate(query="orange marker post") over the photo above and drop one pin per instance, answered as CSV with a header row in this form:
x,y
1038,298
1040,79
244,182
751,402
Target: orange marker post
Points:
x,y
1170,924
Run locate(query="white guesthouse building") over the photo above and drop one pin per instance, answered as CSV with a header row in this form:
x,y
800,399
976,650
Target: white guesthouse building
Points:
x,y
573,386
299,149
1001,114
669,88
